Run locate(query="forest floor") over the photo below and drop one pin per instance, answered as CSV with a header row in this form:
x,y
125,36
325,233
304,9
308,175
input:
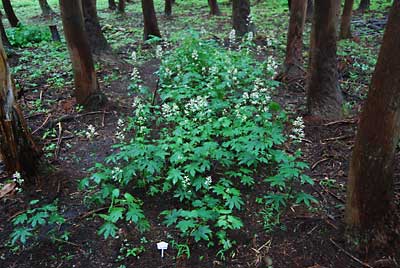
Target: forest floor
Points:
x,y
312,239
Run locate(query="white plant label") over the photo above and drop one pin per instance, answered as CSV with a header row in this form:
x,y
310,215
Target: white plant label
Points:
x,y
162,246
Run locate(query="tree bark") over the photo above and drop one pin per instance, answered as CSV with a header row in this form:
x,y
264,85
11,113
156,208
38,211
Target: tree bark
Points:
x,y
46,9
87,90
370,182
294,57
240,17
97,42
112,5
214,8
4,37
121,6
16,144
324,98
364,5
8,9
345,25
168,8
150,20
310,9
55,35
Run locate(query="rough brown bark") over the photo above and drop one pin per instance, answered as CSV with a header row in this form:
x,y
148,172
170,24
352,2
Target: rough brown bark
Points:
x,y
16,144
364,5
112,5
345,25
4,37
214,8
121,6
324,98
150,20
87,91
46,9
292,69
370,182
240,16
97,41
168,8
8,9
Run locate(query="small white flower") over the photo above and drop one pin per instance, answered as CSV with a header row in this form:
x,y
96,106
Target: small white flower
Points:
x,y
134,56
159,52
232,37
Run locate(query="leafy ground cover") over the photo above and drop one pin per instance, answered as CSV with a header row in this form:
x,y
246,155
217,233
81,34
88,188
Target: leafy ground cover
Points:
x,y
198,147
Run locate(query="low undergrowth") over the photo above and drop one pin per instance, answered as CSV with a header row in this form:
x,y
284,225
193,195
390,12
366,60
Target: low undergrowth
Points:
x,y
210,132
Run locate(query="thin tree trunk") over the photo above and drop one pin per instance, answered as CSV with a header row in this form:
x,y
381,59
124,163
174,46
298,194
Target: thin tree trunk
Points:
x,y
240,17
345,25
16,144
168,8
46,9
87,90
4,37
364,5
97,41
55,35
214,8
150,20
112,5
121,6
310,9
8,9
324,98
294,57
370,187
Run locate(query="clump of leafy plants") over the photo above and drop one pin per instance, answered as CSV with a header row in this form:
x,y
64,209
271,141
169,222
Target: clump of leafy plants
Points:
x,y
210,133
26,35
30,224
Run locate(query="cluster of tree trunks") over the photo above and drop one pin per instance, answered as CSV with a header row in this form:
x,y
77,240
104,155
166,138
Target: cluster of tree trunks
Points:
x,y
150,20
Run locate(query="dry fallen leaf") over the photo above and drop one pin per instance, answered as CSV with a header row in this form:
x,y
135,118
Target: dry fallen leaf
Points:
x,y
7,188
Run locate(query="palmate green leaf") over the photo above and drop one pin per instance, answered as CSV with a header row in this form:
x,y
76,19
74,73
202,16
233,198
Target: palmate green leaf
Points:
x,y
115,214
234,202
38,219
175,175
171,216
235,222
203,232
21,234
306,199
20,219
108,229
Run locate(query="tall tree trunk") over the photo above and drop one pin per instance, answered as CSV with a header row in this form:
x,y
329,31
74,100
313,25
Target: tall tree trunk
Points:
x,y
168,8
214,8
46,9
324,98
8,9
112,5
16,144
364,5
87,90
4,37
370,183
97,41
241,16
310,9
345,25
294,57
121,6
150,20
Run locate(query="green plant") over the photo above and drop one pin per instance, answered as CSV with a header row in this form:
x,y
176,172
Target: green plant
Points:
x,y
28,224
214,132
26,35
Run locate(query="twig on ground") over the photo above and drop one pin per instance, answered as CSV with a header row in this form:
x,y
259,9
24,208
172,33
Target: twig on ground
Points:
x,y
59,141
345,121
313,166
343,137
364,264
42,125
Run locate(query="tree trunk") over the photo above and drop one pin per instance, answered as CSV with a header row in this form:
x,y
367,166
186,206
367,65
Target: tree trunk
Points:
x,y
16,144
240,17
214,8
294,57
55,35
168,8
364,5
150,20
121,6
97,41
8,9
324,98
310,9
87,91
345,25
112,5
4,37
46,9
370,183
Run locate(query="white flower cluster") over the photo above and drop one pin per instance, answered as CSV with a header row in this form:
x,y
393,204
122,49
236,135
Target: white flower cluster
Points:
x,y
135,76
208,181
120,133
272,66
195,55
232,37
159,51
298,130
186,181
169,110
134,56
19,181
197,104
116,174
90,132
250,36
139,111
